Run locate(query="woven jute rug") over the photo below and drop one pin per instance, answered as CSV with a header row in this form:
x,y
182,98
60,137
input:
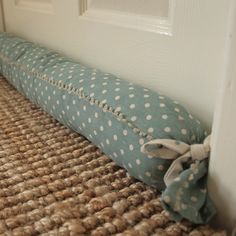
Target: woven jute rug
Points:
x,y
55,182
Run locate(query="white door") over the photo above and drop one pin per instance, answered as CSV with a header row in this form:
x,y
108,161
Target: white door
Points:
x,y
174,46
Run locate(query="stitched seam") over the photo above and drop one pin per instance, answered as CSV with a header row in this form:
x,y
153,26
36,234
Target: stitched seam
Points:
x,y
104,106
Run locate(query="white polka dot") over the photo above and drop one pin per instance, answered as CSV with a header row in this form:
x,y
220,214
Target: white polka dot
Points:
x,y
117,89
131,88
73,102
101,128
198,121
89,120
190,116
133,118
162,104
147,173
73,118
115,137
104,91
161,97
95,132
107,141
184,131
64,97
63,112
150,130
92,85
138,162
83,124
93,78
164,116
91,94
180,118
81,80
125,132
177,109
148,117
105,83
131,147
167,199
117,98
141,141
193,199
146,95
115,154
96,115
49,98
167,129
122,152
78,113
140,177
147,105
84,108
132,106
130,165
109,123
131,95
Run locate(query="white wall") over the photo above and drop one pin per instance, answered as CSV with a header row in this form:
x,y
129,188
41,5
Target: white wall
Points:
x,y
222,177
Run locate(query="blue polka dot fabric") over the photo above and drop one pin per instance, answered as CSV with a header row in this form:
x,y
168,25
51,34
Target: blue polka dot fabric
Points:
x,y
118,116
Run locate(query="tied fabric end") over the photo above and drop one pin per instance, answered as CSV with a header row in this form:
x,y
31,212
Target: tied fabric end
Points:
x,y
178,151
185,196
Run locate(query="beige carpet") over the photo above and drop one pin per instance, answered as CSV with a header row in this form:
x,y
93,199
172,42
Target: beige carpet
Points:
x,y
55,182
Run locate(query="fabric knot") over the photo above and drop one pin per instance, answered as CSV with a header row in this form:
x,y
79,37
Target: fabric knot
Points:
x,y
178,151
200,151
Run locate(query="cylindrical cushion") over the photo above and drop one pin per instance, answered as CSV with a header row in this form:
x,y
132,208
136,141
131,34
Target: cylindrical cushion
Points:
x,y
117,116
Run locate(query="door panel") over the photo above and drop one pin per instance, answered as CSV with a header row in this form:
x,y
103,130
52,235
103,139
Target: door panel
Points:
x,y
178,51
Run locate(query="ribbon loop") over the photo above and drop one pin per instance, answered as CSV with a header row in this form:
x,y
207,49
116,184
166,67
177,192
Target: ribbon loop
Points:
x,y
178,151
